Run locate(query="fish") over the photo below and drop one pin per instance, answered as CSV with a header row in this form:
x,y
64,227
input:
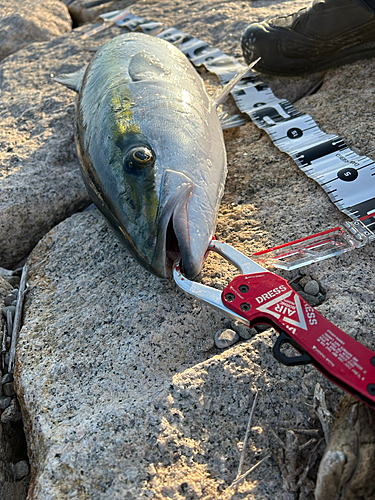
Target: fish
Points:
x,y
151,149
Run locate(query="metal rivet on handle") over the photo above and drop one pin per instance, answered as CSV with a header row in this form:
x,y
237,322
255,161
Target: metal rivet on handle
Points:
x,y
229,297
245,306
243,288
371,389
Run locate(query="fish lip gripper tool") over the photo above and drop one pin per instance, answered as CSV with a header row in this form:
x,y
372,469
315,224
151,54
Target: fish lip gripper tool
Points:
x,y
260,296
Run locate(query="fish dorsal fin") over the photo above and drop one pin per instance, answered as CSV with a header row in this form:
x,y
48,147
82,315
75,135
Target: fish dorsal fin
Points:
x,y
222,93
143,67
72,80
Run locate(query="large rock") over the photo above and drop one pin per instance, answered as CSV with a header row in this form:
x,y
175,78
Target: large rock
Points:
x,y
121,398
26,21
40,181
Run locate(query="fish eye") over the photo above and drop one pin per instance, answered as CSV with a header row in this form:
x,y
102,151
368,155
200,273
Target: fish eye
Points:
x,y
139,158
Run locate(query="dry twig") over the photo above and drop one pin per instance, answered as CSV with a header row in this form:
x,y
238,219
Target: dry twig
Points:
x,y
287,456
238,479
17,318
243,452
3,348
309,463
9,322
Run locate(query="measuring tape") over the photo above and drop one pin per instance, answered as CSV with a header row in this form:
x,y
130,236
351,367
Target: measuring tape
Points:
x,y
347,178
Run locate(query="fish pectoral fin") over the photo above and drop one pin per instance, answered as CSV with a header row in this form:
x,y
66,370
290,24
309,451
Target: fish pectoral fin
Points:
x,y
143,67
72,80
223,92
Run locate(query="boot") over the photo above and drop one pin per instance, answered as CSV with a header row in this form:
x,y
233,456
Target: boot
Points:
x,y
327,34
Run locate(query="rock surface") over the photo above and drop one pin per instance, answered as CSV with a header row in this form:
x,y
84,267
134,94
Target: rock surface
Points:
x,y
120,396
40,181
120,401
29,21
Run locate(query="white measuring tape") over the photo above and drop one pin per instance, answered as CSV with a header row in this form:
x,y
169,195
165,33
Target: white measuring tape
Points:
x,y
347,178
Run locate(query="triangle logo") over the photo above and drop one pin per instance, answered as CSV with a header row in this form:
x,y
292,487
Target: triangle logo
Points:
x,y
287,311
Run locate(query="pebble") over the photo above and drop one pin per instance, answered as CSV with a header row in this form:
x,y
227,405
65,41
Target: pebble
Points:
x,y
21,470
311,299
13,280
14,292
12,309
4,402
8,389
262,327
12,413
9,299
243,331
8,377
225,338
304,280
312,287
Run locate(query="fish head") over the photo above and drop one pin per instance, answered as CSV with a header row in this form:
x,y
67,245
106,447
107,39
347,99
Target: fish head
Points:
x,y
153,208
152,152
159,213
151,149
135,200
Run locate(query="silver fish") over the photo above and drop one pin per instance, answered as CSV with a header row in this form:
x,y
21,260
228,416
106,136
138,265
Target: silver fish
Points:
x,y
151,149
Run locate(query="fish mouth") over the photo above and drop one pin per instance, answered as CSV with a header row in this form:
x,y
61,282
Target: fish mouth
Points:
x,y
173,239
172,247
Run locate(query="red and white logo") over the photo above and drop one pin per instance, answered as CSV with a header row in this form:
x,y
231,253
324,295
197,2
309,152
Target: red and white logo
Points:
x,y
286,308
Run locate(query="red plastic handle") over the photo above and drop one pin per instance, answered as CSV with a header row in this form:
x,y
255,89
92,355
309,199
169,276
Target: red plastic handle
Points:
x,y
268,298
